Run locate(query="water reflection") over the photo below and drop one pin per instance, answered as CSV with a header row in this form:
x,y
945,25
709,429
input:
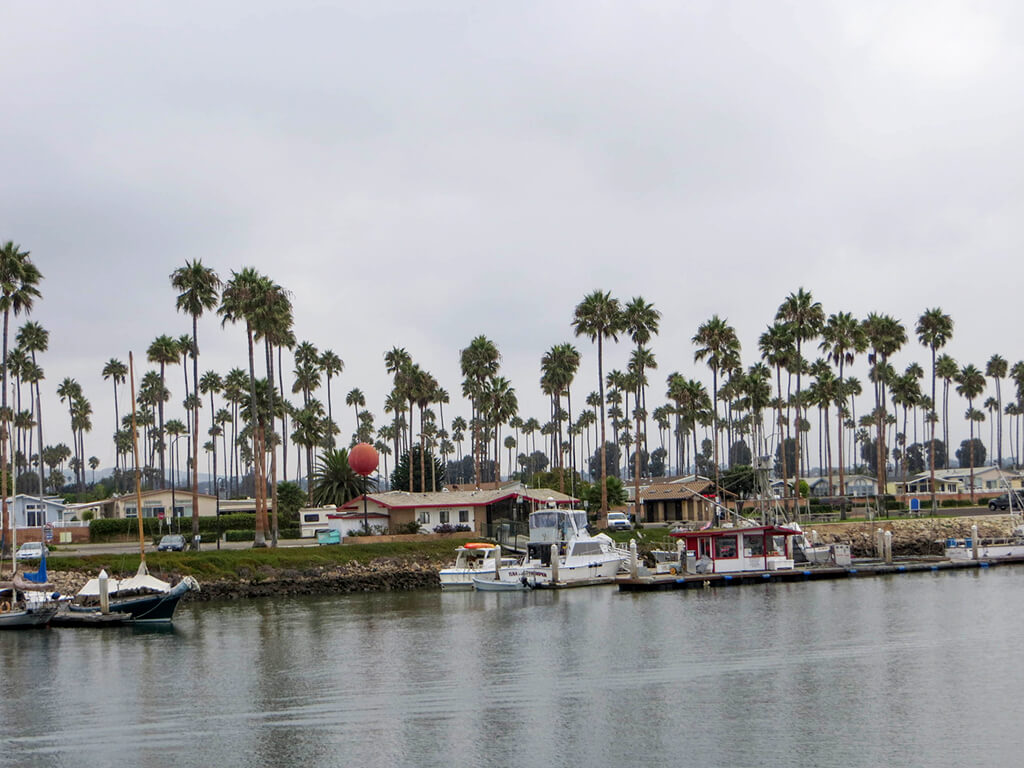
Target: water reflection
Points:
x,y
861,672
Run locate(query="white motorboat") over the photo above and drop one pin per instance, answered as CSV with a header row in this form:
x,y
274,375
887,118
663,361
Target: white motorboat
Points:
x,y
561,552
473,559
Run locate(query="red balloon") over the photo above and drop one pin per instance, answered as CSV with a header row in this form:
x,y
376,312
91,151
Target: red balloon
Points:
x,y
363,459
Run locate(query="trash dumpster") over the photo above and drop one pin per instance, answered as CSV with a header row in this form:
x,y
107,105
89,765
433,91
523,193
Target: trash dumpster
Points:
x,y
328,536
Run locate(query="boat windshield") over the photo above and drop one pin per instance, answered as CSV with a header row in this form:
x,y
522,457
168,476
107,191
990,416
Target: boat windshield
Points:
x,y
571,520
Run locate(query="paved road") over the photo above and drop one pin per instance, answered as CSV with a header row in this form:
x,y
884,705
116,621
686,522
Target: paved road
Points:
x,y
118,548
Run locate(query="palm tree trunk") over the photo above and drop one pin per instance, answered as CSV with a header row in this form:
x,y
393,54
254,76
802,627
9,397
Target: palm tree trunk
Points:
x,y
604,453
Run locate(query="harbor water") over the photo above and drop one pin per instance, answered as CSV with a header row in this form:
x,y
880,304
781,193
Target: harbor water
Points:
x,y
913,670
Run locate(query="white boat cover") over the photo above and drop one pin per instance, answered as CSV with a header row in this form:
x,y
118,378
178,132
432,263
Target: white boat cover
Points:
x,y
136,583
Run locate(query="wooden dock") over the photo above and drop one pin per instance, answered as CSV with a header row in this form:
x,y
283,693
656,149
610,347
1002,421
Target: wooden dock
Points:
x,y
807,573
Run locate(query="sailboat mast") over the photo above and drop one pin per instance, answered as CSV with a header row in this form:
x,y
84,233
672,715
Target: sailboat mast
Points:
x,y
138,474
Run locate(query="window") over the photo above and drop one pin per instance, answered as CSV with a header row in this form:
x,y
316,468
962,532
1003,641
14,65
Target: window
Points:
x,y
311,517
148,511
34,517
753,546
423,518
725,546
130,511
463,515
444,516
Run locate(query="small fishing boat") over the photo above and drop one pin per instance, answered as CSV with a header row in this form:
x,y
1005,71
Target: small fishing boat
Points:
x,y
490,584
18,611
987,549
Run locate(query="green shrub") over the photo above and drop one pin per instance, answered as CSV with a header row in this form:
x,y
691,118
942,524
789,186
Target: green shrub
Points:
x,y
405,528
107,529
239,535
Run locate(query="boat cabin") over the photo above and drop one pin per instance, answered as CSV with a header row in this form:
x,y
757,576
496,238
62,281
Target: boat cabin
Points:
x,y
733,550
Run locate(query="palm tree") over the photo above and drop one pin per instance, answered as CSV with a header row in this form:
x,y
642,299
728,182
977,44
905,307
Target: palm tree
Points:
x,y
720,347
397,360
116,371
934,329
996,369
19,279
163,351
599,317
948,370
211,384
970,384
778,348
69,390
33,338
354,398
240,303
332,365
842,338
272,323
235,384
641,322
478,362
197,286
559,365
885,335
499,405
805,318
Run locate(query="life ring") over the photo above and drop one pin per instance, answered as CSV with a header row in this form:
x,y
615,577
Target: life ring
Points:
x,y
673,570
5,606
478,545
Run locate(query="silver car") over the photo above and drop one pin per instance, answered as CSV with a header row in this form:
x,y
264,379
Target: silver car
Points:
x,y
31,550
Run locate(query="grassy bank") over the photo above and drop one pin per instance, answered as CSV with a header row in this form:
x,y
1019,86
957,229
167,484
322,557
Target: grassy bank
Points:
x,y
214,565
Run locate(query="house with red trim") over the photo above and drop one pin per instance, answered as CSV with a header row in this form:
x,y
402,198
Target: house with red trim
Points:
x,y
476,509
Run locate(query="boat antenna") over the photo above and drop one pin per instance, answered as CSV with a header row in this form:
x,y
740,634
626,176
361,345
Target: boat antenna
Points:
x,y
138,475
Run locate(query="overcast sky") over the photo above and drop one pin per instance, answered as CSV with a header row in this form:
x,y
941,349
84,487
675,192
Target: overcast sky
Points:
x,y
420,173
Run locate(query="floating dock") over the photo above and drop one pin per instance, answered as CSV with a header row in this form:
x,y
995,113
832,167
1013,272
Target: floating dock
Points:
x,y
808,573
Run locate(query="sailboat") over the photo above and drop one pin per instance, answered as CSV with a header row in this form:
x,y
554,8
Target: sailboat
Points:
x,y
25,600
140,598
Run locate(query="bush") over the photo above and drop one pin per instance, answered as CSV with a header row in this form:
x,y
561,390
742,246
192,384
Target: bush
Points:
x,y
449,528
405,528
106,529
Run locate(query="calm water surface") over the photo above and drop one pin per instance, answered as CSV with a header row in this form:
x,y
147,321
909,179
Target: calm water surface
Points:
x,y
922,669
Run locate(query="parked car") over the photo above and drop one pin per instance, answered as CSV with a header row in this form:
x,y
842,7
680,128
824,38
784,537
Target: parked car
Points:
x,y
619,521
173,542
31,550
1003,502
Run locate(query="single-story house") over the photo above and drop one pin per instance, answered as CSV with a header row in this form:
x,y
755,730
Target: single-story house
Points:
x,y
31,511
682,501
986,479
476,509
855,485
159,504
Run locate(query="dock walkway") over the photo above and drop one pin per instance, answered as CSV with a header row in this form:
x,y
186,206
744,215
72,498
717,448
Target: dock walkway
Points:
x,y
809,573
